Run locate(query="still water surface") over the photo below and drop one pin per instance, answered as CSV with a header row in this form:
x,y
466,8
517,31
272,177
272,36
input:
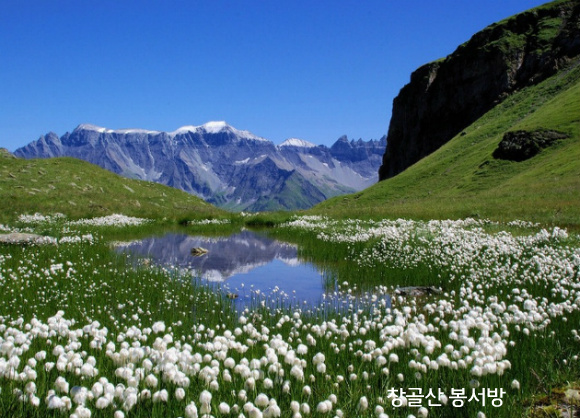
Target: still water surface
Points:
x,y
243,263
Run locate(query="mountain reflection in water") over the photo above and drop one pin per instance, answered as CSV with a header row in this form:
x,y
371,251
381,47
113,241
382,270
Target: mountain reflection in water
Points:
x,y
245,261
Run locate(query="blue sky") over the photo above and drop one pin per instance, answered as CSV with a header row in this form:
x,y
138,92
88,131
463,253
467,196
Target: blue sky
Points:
x,y
314,70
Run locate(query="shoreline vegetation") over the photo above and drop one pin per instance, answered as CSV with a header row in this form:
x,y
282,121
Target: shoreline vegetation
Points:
x,y
83,333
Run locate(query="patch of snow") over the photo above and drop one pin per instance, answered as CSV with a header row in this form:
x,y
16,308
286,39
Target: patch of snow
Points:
x,y
89,127
214,127
100,129
295,142
242,161
184,129
247,135
259,159
134,131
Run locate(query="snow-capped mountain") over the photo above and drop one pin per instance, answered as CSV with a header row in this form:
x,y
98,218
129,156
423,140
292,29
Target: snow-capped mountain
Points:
x,y
230,168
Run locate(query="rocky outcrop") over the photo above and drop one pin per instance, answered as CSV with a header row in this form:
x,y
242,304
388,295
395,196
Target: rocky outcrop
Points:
x,y
522,145
446,96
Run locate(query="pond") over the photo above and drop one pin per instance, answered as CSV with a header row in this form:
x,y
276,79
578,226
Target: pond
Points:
x,y
244,264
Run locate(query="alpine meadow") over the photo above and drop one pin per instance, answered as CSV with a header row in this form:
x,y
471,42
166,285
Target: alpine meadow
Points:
x,y
450,287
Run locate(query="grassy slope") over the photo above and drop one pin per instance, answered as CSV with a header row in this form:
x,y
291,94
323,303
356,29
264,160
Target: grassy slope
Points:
x,y
78,189
463,179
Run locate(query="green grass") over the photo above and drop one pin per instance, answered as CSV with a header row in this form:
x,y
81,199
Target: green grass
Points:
x,y
78,189
462,179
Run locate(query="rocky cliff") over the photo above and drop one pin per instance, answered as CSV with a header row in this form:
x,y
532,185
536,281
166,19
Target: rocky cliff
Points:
x,y
446,96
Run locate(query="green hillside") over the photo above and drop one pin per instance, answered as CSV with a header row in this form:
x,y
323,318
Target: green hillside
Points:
x,y
78,189
463,178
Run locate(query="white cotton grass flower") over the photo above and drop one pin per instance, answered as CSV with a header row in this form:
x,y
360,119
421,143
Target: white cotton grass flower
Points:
x,y
272,410
242,396
302,349
205,397
82,412
116,220
35,401
30,388
158,327
55,402
102,403
297,372
324,407
268,383
205,401
255,413
248,406
515,384
262,400
151,381
363,403
294,406
205,409
61,384
229,363
180,394
224,408
286,387
191,410
214,385
318,359
160,396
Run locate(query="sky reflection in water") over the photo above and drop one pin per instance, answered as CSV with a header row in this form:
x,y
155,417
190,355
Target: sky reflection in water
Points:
x,y
242,261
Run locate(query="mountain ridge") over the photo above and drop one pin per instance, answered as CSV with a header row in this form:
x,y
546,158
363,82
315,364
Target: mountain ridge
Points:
x,y
231,168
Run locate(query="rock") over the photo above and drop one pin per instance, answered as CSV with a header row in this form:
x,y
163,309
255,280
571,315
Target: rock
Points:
x,y
446,96
522,145
20,238
198,251
417,291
